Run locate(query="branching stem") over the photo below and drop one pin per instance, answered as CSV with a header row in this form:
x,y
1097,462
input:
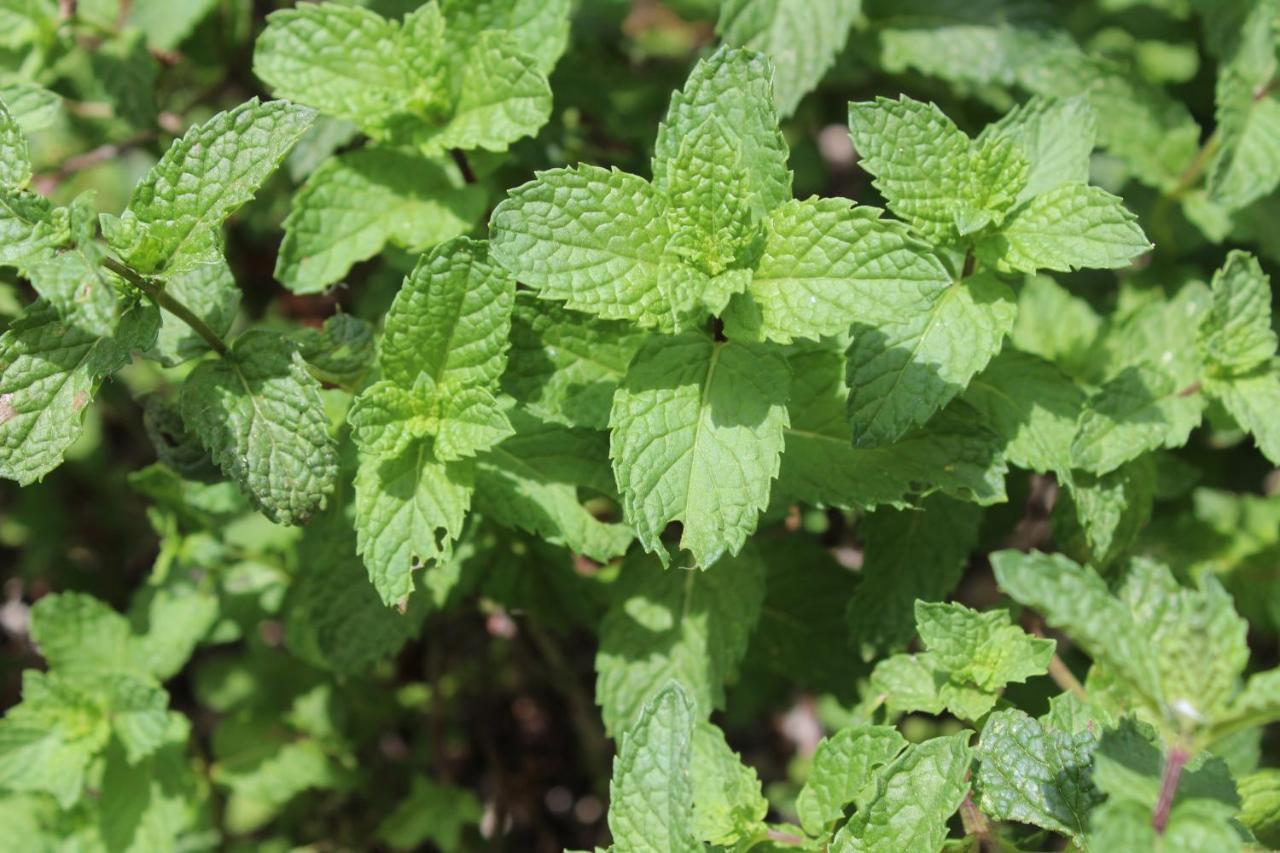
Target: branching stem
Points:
x,y
161,297
1177,759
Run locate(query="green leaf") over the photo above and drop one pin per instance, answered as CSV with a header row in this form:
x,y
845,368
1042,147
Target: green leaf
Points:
x,y
775,27
909,555
911,799
712,215
175,211
696,433
734,89
955,453
50,374
843,765
1055,325
1253,400
901,371
1069,227
1076,601
32,106
541,27
341,351
1056,136
409,510
80,635
1236,334
651,797
450,320
333,617
532,479
1098,519
595,240
565,366
15,165
970,656
728,806
49,739
432,812
1260,805
919,158
678,625
826,265
1139,409
358,202
30,228
1247,115
417,82
1030,773
167,23
210,291
1033,406
259,414
471,421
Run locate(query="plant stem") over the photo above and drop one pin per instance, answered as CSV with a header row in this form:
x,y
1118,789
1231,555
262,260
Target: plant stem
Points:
x,y
1177,759
165,300
1066,679
975,823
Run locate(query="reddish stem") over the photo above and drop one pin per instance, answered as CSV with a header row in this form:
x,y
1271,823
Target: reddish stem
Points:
x,y
1169,787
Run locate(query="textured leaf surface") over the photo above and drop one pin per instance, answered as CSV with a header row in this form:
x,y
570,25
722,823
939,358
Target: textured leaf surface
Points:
x,y
210,291
593,239
1033,774
650,797
15,167
1033,406
826,265
1253,401
531,481
409,510
260,416
902,371
842,766
727,803
48,375
216,167
1056,137
565,366
1070,227
1138,410
735,89
777,27
1236,333
1076,600
357,202
955,453
912,798
450,320
919,158
677,625
696,435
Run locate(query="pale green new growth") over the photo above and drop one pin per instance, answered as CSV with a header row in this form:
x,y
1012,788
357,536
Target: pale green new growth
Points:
x,y
443,349
451,77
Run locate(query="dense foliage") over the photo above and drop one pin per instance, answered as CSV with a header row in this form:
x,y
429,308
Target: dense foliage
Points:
x,y
544,424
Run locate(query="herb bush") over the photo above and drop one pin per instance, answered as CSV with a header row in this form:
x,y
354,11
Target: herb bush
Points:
x,y
535,424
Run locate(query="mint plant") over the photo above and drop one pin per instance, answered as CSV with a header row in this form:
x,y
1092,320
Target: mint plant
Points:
x,y
746,425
